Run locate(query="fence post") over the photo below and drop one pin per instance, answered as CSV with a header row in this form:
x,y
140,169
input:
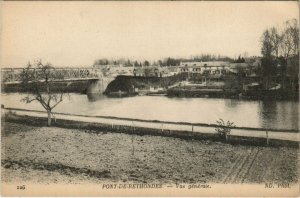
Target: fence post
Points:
x,y
193,135
162,127
267,134
132,127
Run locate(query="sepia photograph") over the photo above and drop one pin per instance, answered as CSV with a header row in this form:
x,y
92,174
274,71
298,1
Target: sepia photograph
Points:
x,y
149,98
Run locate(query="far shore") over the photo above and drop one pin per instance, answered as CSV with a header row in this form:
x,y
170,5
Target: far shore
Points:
x,y
122,87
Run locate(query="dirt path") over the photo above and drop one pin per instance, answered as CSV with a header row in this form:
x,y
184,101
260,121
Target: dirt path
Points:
x,y
290,136
240,169
59,155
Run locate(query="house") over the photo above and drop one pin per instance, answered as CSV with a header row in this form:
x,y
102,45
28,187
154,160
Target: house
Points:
x,y
152,71
116,70
173,70
202,63
254,61
138,71
168,71
244,68
211,67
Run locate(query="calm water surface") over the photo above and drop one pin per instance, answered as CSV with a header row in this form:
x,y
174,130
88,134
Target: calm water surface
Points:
x,y
262,114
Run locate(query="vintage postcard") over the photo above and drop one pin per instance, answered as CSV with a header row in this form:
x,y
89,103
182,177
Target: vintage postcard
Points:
x,y
140,98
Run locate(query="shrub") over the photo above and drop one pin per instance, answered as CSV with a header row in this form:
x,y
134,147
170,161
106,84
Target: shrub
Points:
x,y
223,128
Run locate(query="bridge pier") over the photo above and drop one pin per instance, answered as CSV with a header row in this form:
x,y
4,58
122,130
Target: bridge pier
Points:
x,y
95,86
98,86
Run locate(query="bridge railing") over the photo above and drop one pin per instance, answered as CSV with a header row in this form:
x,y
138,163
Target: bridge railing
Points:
x,y
14,74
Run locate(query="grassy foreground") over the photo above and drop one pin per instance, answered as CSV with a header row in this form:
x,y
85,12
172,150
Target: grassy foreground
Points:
x,y
60,155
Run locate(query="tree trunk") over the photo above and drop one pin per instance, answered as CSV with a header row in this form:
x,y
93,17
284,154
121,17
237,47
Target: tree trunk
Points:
x,y
226,137
49,117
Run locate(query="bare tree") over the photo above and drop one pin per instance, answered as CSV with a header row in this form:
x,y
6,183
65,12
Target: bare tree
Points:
x,y
266,44
292,32
287,44
267,49
275,39
38,79
281,46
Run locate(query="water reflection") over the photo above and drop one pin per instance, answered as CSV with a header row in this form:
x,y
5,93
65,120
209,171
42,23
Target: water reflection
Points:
x,y
295,119
268,113
231,103
277,114
93,97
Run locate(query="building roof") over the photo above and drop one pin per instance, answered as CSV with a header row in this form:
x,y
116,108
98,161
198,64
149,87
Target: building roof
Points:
x,y
207,63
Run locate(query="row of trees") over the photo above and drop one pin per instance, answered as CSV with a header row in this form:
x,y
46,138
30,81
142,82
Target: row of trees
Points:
x,y
280,51
169,61
281,41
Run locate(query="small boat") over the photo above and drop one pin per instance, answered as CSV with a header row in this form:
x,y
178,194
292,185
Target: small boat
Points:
x,y
118,93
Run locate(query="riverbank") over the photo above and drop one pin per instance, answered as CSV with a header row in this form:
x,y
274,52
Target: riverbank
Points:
x,y
61,155
190,92
238,135
124,86
223,87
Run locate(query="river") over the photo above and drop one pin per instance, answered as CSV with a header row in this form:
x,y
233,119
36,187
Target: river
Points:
x,y
244,113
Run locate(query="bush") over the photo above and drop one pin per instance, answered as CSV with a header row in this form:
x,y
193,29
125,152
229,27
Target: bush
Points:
x,y
223,128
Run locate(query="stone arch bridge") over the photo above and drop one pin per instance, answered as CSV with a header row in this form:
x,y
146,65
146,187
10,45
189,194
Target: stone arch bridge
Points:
x,y
97,81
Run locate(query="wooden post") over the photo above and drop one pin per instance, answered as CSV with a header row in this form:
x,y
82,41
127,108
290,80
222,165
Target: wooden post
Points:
x,y
112,125
162,127
132,127
193,132
267,133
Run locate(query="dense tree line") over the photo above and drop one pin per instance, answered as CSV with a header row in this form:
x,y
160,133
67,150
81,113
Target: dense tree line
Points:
x,y
280,45
169,61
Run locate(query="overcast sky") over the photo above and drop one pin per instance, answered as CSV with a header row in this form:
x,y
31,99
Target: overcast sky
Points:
x,y
77,33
